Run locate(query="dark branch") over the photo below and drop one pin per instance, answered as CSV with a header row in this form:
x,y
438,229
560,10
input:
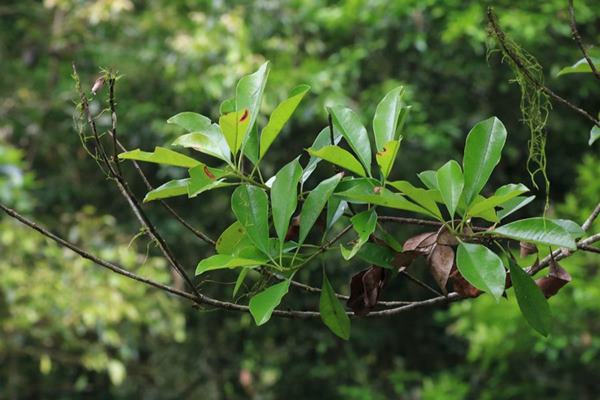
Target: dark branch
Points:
x,y
577,38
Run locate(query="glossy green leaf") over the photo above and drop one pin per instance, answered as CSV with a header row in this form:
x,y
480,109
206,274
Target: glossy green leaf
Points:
x,y
364,225
340,157
203,178
315,203
539,231
173,188
284,197
386,157
483,150
514,205
208,141
429,179
422,197
239,281
249,93
263,303
231,239
572,227
281,114
332,311
450,183
160,155
335,210
502,195
488,214
227,106
381,197
594,134
579,67
482,268
354,132
251,146
190,121
251,207
376,254
531,300
234,127
323,139
226,261
385,121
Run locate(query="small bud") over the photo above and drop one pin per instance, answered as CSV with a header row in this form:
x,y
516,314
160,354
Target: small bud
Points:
x,y
98,85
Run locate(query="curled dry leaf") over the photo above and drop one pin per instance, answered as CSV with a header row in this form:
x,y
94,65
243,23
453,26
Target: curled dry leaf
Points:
x,y
422,243
461,286
365,288
527,249
556,279
446,238
440,261
294,229
403,259
98,84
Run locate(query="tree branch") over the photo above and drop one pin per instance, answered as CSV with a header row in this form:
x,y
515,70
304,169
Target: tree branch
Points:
x,y
577,38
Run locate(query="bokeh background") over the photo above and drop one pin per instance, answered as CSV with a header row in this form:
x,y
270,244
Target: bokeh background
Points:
x,y
69,330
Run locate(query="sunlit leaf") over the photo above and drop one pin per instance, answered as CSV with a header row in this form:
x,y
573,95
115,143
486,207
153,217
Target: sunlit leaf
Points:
x,y
281,114
482,268
332,312
386,156
248,96
539,231
354,132
428,178
263,303
231,239
340,157
284,197
385,121
514,205
170,189
226,261
160,155
190,121
323,139
420,196
502,195
251,207
315,203
208,141
579,67
483,150
235,127
203,178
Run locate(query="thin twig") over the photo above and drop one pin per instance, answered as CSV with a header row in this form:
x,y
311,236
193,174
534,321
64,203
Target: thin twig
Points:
x,y
421,283
590,220
578,40
500,35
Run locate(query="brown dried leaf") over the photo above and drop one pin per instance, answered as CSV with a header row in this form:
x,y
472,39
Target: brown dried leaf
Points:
x,y
462,287
446,238
404,259
421,243
365,288
556,279
527,249
440,263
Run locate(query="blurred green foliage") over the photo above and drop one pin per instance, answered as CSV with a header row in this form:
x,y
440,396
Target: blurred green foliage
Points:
x,y
70,330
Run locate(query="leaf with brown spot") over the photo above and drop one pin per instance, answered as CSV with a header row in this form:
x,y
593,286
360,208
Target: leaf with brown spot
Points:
x,y
556,279
440,261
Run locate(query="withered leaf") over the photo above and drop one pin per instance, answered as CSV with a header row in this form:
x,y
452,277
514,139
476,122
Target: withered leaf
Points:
x,y
403,259
462,287
440,261
556,279
446,238
365,288
527,249
421,243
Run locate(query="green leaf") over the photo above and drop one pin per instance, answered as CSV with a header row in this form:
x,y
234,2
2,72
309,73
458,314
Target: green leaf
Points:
x,y
531,300
332,311
239,281
208,141
251,207
203,179
385,121
234,127
190,121
335,210
386,157
232,239
429,179
502,195
284,197
227,106
226,261
482,268
483,150
251,146
537,230
594,134
161,155
513,205
340,157
280,116
323,139
450,183
579,67
380,196
354,132
315,203
573,228
422,197
248,96
173,188
377,254
263,303
364,224
488,214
